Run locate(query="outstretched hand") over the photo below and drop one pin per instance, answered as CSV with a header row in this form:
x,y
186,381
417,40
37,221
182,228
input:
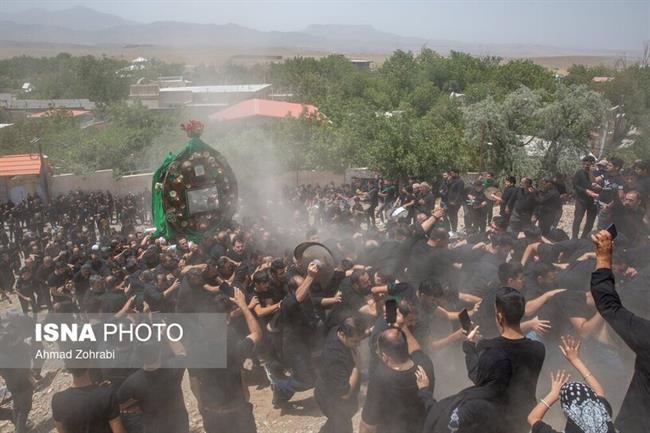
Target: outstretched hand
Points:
x,y
570,348
557,381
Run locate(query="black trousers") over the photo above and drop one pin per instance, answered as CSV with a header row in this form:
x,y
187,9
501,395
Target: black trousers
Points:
x,y
545,223
22,405
339,413
238,421
452,214
581,208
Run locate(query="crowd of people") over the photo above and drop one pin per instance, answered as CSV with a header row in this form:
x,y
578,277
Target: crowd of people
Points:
x,y
385,334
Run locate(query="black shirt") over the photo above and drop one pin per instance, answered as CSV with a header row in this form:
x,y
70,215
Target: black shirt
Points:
x,y
635,331
527,357
159,395
336,367
581,183
86,409
221,388
298,321
393,403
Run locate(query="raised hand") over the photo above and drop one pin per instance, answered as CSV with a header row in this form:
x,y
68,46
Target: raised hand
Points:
x,y
557,380
570,348
421,378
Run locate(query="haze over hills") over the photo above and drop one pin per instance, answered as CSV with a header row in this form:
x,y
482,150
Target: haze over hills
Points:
x,y
87,27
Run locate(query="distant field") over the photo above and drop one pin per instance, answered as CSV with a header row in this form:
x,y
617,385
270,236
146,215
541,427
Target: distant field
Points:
x,y
220,56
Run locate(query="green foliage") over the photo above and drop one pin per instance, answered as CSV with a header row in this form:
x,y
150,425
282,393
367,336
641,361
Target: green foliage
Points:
x,y
399,118
534,132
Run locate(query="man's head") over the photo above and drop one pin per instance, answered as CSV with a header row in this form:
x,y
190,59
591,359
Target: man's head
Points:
x,y
195,277
360,280
632,200
438,238
510,181
512,275
238,245
510,306
261,281
392,347
615,165
588,162
526,182
547,183
351,331
277,270
431,293
502,244
545,276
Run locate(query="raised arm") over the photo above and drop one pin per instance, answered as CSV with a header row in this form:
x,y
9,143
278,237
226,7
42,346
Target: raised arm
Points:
x,y
255,332
571,350
632,329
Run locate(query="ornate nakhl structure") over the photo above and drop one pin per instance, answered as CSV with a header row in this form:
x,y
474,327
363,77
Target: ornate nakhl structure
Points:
x,y
194,192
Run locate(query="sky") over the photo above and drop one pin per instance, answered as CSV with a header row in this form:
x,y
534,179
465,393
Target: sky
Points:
x,y
609,24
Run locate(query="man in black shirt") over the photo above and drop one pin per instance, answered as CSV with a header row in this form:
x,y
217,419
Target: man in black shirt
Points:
x,y
81,281
86,407
156,391
628,217
298,328
337,387
19,381
526,357
392,404
223,394
25,289
584,194
522,205
634,330
549,203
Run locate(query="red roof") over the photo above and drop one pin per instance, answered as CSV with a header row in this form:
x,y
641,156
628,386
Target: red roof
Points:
x,y
74,113
264,108
17,165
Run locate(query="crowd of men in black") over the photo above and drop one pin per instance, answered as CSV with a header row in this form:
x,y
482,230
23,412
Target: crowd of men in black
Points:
x,y
537,298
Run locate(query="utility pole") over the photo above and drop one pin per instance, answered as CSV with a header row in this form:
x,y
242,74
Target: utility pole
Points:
x,y
43,173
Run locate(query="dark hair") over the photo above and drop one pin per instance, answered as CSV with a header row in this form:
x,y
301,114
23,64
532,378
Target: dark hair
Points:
x,y
260,277
500,222
356,275
511,179
616,162
541,270
276,265
431,287
509,270
392,342
439,234
406,308
352,327
511,304
589,158
347,264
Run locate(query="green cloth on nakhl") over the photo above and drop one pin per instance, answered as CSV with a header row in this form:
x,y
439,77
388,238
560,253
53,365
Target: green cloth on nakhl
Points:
x,y
163,228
